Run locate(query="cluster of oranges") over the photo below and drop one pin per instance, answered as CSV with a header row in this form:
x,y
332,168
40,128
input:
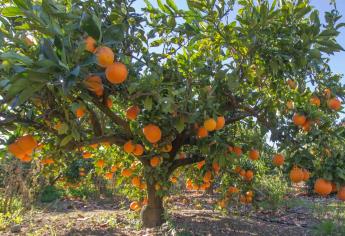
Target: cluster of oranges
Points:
x,y
137,205
298,175
247,175
210,125
23,148
324,187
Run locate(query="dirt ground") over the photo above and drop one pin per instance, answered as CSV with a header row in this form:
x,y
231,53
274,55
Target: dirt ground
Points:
x,y
189,214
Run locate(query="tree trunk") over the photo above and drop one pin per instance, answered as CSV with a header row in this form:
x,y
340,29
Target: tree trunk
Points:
x,y
152,214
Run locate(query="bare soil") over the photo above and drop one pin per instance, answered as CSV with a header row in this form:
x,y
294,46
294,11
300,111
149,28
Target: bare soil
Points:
x,y
190,213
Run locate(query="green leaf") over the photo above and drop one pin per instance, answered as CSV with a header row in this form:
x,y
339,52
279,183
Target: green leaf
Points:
x,y
91,25
25,4
148,103
12,12
172,4
66,140
13,56
180,125
29,92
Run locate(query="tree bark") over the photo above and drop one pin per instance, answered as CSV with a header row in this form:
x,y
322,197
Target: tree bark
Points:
x,y
152,214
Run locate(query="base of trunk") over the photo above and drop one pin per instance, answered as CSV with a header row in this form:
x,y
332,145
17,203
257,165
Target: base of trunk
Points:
x,y
152,217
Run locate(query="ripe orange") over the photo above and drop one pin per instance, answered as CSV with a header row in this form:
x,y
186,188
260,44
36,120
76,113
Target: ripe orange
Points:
x,y
138,150
100,163
220,122
26,159
278,160
202,132
90,44
292,84
87,155
334,104
126,172
16,150
129,146
200,164
242,173
136,181
341,194
167,148
27,143
152,133
296,175
254,154
108,175
109,103
155,161
80,112
132,112
334,187
290,105
322,187
327,93
94,146
215,166
105,56
116,73
47,161
233,189
299,119
210,124
238,169
307,125
207,177
173,179
249,175
113,169
134,206
315,101
306,175
237,150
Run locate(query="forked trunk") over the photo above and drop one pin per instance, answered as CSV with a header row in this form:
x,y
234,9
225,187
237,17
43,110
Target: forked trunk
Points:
x,y
152,214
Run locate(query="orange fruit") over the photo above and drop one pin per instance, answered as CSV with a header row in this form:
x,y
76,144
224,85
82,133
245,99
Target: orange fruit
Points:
x,y
80,112
278,160
116,73
215,166
154,162
296,175
207,177
138,150
238,169
210,124
90,44
341,194
100,163
134,206
94,84
47,161
113,168
152,133
322,187
242,173
307,125
105,56
126,172
16,150
145,201
136,181
129,146
292,84
233,189
220,122
249,175
334,104
167,148
237,150
200,164
315,101
87,155
290,105
109,175
202,132
27,143
327,93
173,179
94,146
243,199
298,119
132,112
109,103
254,154
306,175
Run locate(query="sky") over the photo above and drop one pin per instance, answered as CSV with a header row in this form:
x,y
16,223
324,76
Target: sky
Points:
x,y
337,61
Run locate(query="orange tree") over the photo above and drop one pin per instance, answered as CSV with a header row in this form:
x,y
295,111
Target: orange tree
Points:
x,y
143,94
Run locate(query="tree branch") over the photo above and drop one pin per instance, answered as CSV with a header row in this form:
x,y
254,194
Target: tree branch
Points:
x,y
112,139
183,162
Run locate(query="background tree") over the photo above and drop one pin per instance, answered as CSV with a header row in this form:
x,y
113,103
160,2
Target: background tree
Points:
x,y
146,94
